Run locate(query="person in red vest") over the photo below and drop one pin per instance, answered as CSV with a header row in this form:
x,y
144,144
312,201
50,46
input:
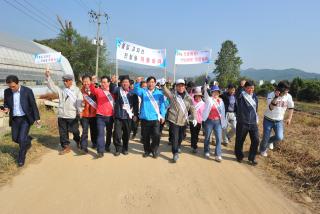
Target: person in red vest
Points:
x,y
104,114
88,115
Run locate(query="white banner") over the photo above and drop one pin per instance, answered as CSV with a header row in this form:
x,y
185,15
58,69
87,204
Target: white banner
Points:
x,y
186,57
47,58
134,53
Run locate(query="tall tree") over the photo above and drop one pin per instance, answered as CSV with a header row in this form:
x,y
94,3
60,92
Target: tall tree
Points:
x,y
227,64
78,50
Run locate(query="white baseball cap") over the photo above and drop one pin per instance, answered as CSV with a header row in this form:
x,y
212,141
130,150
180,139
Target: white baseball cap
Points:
x,y
180,81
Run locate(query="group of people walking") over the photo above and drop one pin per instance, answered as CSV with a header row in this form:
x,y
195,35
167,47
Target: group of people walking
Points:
x,y
111,110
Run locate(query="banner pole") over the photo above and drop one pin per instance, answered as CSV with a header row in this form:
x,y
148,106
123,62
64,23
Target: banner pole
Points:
x,y
117,72
174,73
165,65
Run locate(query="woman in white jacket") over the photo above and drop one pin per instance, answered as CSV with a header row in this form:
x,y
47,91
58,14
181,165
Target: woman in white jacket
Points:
x,y
214,119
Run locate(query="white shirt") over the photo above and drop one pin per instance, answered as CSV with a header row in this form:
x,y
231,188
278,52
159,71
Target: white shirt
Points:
x,y
279,110
17,109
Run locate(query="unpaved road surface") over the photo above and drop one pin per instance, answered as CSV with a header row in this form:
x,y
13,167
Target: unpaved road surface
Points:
x,y
131,184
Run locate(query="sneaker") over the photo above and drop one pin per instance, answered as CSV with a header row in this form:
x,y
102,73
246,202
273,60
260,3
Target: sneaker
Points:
x,y
207,155
175,158
116,154
271,146
264,154
125,152
218,159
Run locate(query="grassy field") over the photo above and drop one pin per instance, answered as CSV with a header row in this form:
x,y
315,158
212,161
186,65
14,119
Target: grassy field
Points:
x,y
295,165
44,138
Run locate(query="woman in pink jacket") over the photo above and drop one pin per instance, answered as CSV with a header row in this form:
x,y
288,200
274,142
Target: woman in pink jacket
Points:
x,y
199,106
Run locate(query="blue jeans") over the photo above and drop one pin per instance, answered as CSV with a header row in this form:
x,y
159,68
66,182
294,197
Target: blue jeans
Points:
x,y
215,125
268,125
104,124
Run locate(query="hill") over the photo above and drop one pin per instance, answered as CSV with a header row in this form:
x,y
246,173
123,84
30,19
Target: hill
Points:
x,y
273,74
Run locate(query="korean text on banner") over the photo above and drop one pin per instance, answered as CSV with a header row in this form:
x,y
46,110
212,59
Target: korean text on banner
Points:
x,y
185,57
134,53
47,58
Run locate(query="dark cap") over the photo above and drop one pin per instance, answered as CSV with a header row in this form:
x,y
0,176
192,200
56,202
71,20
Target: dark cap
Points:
x,y
67,77
124,77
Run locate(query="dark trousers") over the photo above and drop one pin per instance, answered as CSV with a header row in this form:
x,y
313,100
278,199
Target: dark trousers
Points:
x,y
20,134
104,124
66,126
176,134
241,132
161,127
150,130
194,134
134,127
86,123
122,129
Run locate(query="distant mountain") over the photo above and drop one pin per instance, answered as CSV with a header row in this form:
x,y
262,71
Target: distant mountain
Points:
x,y
273,74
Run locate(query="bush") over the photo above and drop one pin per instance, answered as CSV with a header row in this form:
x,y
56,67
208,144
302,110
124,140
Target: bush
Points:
x,y
310,92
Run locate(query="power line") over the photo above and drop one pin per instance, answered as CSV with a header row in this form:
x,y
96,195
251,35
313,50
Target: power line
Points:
x,y
39,17
30,16
45,15
82,6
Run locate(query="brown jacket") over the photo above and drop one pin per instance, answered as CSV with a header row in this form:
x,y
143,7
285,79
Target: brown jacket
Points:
x,y
175,113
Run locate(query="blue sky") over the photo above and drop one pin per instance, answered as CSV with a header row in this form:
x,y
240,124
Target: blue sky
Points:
x,y
269,34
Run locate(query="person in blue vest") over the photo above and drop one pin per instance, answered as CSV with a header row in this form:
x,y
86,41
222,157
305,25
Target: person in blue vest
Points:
x,y
152,114
247,122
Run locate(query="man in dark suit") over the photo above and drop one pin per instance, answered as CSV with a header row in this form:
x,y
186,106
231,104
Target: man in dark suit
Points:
x,y
21,105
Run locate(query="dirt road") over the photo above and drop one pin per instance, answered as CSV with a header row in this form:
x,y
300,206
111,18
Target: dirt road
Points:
x,y
132,184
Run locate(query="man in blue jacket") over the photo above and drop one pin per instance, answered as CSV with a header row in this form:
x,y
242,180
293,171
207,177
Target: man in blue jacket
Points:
x,y
247,122
19,101
152,114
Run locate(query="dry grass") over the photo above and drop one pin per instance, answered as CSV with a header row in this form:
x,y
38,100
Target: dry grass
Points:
x,y
44,137
295,165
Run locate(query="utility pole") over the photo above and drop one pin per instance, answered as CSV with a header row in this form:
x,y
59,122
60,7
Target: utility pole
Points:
x,y
96,18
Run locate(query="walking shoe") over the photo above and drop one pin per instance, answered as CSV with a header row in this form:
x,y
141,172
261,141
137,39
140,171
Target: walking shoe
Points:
x,y
271,146
84,150
207,155
65,150
239,160
146,154
100,155
155,155
218,159
116,154
264,154
253,162
225,144
20,164
125,152
175,158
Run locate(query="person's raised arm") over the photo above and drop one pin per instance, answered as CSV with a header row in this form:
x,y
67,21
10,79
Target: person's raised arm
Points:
x,y
51,85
